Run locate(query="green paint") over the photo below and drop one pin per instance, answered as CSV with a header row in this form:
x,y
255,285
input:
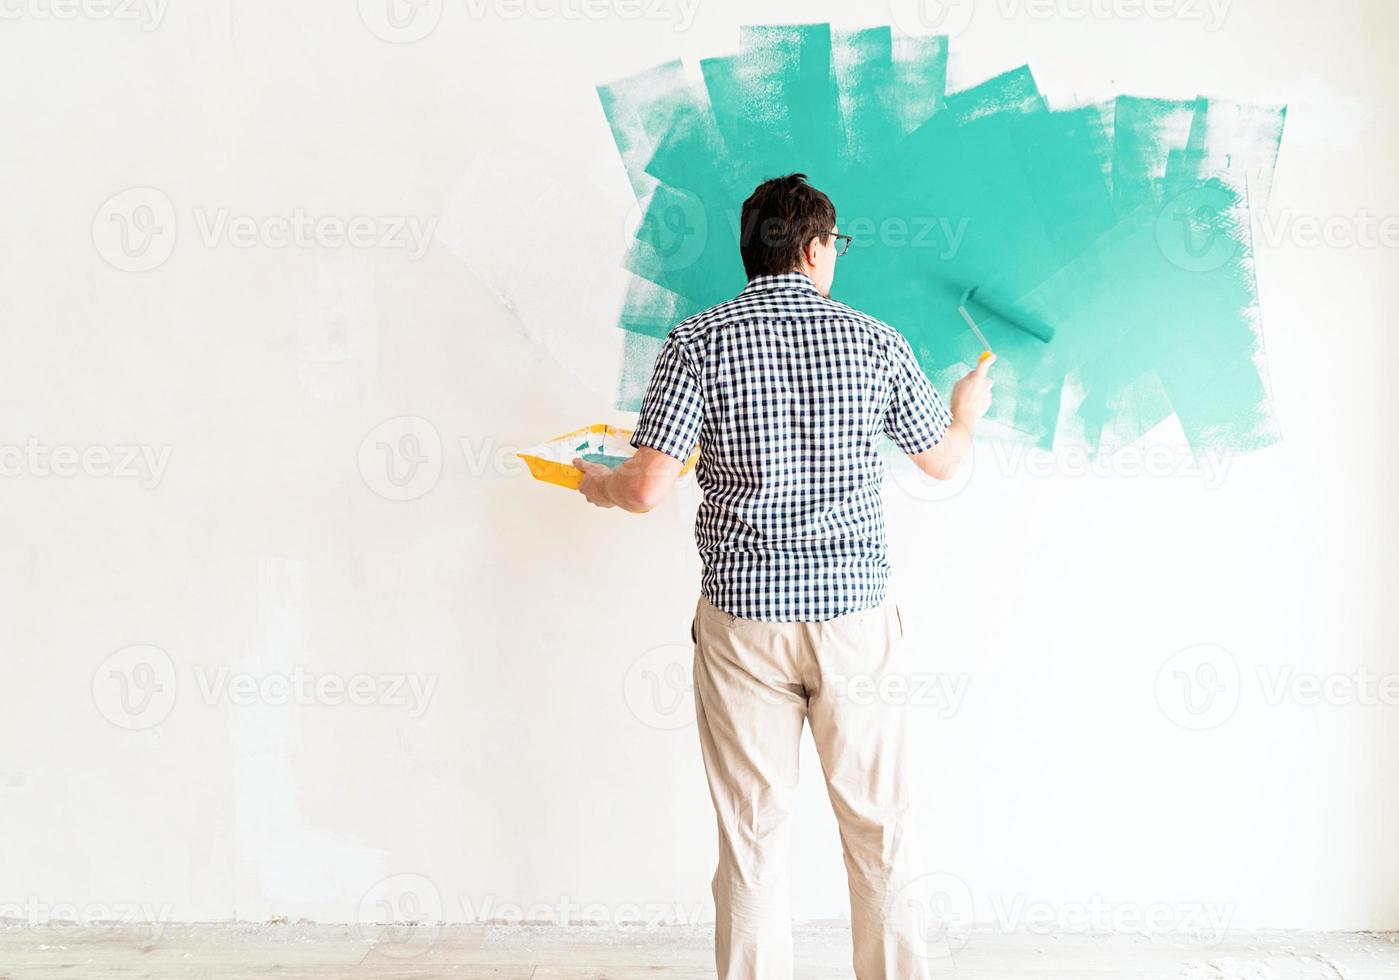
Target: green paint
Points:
x,y
982,304
1108,243
604,459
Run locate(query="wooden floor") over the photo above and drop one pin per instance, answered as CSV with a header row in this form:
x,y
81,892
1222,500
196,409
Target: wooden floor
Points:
x,y
289,951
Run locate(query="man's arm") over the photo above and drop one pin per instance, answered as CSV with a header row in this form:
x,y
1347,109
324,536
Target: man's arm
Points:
x,y
971,397
666,433
941,462
637,485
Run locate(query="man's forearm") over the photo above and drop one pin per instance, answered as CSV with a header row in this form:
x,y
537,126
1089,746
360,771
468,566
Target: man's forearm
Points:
x,y
637,486
623,492
958,442
941,461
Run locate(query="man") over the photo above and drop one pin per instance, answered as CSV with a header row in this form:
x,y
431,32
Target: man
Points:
x,y
787,391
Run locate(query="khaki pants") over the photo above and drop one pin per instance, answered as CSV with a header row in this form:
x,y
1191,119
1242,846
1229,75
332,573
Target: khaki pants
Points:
x,y
755,684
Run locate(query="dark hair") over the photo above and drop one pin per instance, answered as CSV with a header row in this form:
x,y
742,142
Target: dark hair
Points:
x,y
778,219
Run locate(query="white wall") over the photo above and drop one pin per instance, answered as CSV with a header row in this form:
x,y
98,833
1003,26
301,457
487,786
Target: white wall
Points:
x,y
541,771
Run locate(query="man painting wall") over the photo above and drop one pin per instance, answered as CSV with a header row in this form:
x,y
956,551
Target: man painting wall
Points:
x,y
787,391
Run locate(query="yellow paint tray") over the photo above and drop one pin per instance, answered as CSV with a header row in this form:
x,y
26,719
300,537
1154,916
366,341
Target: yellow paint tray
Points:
x,y
552,461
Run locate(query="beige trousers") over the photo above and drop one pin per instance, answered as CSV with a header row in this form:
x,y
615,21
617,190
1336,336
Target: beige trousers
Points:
x,y
755,684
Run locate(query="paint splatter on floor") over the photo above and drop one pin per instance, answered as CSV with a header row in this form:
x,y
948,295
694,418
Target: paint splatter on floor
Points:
x,y
1123,225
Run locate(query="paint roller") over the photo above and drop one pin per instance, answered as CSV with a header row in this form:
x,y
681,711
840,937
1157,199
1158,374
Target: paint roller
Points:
x,y
1035,328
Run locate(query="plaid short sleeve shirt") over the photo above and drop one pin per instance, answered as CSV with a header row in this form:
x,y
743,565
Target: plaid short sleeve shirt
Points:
x,y
787,393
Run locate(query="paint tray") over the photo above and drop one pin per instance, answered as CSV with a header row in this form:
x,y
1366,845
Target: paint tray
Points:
x,y
552,461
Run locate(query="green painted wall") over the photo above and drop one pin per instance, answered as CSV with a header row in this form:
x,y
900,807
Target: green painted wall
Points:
x,y
1118,230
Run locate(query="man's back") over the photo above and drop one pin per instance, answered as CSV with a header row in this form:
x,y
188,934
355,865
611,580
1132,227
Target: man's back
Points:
x,y
787,392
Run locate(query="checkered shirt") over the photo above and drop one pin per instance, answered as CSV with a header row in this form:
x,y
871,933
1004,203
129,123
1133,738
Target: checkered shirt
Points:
x,y
787,393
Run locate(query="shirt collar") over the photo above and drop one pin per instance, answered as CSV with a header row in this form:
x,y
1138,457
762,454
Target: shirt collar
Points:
x,y
784,280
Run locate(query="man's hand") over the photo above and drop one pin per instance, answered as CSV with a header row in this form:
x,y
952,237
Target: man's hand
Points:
x,y
594,485
971,396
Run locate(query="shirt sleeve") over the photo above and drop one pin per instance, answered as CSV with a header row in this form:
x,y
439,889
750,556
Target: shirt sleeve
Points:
x,y
917,418
672,410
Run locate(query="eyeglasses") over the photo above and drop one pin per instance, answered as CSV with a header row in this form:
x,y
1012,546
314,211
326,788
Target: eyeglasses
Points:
x,y
842,242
